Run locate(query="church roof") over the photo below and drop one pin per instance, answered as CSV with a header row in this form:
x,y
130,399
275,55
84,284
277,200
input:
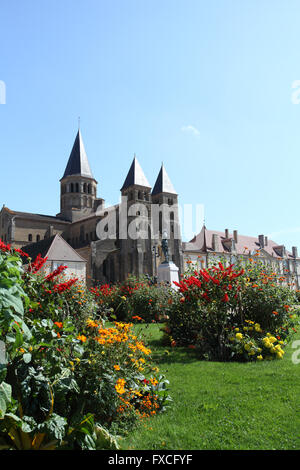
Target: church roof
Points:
x,y
37,217
78,163
135,176
163,183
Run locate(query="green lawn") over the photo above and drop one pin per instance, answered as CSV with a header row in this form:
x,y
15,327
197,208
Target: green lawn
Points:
x,y
222,405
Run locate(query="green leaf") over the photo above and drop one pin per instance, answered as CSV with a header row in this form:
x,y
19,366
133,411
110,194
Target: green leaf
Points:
x,y
54,426
5,397
27,358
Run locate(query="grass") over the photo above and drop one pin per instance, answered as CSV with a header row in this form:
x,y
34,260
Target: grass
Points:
x,y
236,406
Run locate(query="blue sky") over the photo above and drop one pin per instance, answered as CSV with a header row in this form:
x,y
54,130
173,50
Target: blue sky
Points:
x,y
204,86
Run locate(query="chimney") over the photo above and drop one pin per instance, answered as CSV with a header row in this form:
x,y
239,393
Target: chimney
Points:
x,y
261,240
235,236
266,241
215,242
295,251
226,233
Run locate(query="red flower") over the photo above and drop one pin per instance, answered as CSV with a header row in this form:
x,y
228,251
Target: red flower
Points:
x,y
55,273
225,298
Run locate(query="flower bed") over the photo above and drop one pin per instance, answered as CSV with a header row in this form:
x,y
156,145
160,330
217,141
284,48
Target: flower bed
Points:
x,y
133,300
67,379
230,313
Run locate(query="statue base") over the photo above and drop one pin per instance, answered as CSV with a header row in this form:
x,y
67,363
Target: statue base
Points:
x,y
168,272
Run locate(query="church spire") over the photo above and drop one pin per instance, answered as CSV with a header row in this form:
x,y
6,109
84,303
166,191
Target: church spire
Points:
x,y
78,163
135,176
163,183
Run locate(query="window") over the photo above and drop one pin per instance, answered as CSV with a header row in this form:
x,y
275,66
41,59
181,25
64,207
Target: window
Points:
x,y
72,188
30,237
38,238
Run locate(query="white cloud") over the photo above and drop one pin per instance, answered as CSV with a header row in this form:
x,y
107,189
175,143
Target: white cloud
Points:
x,y
191,130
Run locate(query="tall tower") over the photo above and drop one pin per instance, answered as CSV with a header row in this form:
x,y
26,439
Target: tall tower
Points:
x,y
78,187
166,215
135,249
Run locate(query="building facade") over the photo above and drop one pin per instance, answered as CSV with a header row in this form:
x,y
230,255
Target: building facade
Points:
x,y
210,246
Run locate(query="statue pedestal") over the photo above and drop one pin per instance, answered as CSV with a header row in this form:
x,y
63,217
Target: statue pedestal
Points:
x,y
168,272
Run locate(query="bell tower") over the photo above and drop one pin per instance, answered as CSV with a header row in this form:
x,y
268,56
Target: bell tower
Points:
x,y
165,207
78,187
136,248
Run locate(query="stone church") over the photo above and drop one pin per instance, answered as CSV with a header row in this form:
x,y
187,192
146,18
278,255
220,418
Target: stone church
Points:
x,y
140,220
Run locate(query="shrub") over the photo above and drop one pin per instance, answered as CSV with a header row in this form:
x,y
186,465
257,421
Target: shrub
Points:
x,y
133,300
211,303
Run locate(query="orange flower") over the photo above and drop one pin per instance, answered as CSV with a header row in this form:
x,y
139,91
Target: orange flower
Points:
x,y
82,338
59,324
116,367
274,312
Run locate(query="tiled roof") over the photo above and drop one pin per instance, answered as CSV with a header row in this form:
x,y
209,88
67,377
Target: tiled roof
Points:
x,y
244,245
29,215
55,247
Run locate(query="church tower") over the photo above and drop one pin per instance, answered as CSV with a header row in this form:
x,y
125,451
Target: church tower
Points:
x,y
78,187
166,215
135,249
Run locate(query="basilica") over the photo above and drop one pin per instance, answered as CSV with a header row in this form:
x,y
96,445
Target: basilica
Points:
x,y
133,248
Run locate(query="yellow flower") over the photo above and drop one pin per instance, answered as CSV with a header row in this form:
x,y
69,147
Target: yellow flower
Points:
x,y
116,367
239,336
120,386
91,323
260,358
153,381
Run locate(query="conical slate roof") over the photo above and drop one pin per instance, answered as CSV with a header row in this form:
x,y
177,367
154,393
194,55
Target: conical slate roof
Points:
x,y
135,176
163,183
78,163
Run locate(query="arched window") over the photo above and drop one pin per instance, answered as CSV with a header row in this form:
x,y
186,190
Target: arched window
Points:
x,y
77,187
84,187
38,238
72,188
30,237
89,189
